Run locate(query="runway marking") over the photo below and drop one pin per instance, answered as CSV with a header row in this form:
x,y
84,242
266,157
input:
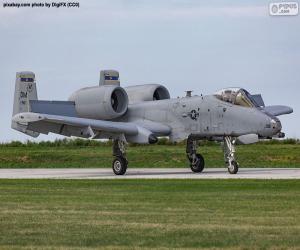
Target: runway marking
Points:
x,y
148,173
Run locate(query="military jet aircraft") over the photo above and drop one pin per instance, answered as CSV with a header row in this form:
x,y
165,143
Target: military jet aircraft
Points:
x,y
143,113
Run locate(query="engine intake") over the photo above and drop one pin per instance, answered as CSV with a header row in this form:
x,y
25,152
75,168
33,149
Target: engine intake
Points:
x,y
147,92
100,102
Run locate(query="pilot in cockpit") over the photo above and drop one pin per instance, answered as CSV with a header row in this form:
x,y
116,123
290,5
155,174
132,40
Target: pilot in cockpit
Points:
x,y
237,96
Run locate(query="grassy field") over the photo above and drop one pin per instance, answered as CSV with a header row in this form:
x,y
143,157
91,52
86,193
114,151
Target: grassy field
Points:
x,y
127,214
92,154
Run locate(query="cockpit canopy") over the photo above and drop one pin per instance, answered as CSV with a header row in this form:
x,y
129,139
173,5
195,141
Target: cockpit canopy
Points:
x,y
237,96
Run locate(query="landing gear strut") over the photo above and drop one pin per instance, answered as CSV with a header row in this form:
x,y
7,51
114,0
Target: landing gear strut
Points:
x,y
120,162
196,160
229,151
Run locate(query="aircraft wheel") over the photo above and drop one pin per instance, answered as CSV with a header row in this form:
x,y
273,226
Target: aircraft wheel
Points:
x,y
233,168
119,165
198,166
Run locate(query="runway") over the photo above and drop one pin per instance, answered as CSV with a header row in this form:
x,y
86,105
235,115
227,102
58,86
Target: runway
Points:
x,y
149,173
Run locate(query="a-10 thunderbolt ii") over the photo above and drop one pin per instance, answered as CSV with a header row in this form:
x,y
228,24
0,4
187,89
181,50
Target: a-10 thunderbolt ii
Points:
x,y
142,113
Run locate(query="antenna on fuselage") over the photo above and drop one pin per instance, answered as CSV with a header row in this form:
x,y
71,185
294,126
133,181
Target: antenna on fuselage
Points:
x,y
188,93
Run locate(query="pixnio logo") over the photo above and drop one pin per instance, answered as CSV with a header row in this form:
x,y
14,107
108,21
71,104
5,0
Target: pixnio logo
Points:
x,y
283,9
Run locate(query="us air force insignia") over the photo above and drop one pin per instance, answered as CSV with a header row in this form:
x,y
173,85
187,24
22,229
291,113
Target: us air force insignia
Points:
x,y
194,114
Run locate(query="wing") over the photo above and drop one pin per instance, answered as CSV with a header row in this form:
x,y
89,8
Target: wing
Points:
x,y
82,127
278,110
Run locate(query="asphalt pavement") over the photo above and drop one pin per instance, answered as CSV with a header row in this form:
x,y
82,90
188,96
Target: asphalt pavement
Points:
x,y
149,173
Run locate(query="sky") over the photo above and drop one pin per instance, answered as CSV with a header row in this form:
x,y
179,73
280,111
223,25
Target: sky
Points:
x,y
183,44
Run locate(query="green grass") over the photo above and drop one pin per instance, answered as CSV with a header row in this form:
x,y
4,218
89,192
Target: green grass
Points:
x,y
123,214
100,155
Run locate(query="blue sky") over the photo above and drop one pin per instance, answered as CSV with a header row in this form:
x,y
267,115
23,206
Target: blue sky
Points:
x,y
185,45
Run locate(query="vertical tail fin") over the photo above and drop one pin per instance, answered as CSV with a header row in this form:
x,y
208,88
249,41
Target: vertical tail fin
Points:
x,y
25,90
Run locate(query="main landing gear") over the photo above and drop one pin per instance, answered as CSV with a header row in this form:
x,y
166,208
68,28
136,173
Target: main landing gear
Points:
x,y
196,160
229,151
120,162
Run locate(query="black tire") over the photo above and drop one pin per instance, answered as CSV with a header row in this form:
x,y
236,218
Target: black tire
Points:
x,y
234,168
199,165
119,165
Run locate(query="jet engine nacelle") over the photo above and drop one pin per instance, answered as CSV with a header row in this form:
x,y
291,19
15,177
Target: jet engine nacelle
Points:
x,y
100,102
147,92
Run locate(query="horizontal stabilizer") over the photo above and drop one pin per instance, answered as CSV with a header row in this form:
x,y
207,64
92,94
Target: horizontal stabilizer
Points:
x,y
278,110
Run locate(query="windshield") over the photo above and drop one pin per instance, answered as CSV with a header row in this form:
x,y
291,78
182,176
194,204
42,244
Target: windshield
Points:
x,y
237,96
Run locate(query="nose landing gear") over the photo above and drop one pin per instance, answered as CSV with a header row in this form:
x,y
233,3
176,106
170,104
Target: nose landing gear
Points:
x,y
229,157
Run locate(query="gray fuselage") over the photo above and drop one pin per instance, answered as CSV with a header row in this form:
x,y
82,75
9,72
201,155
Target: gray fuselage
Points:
x,y
205,116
